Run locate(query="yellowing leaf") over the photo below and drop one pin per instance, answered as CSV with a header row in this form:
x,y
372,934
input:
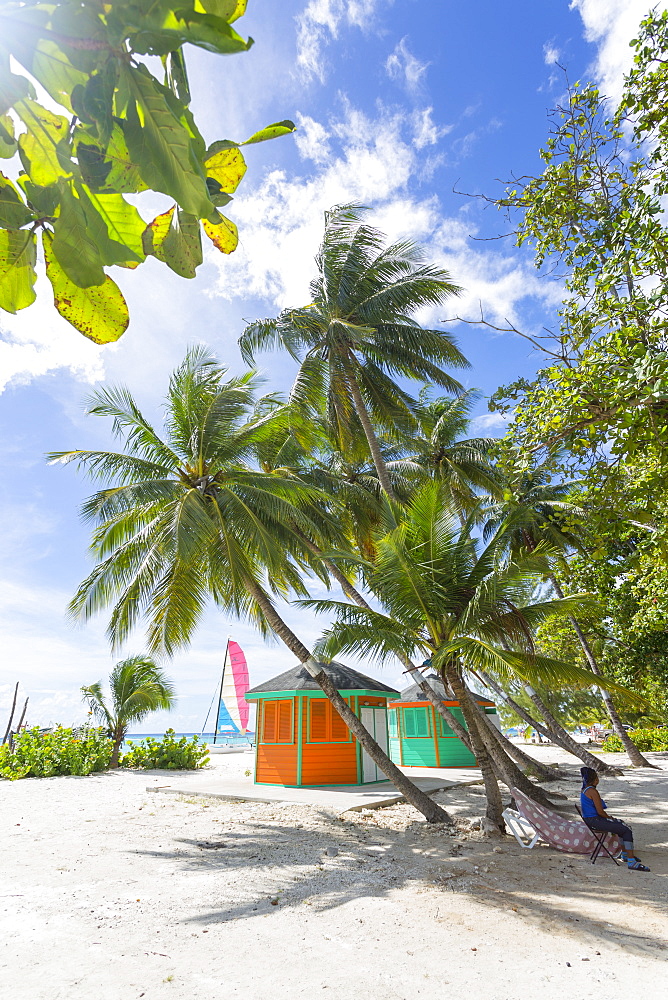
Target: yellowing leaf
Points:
x,y
156,231
227,167
230,10
100,312
17,269
271,132
224,235
176,241
38,146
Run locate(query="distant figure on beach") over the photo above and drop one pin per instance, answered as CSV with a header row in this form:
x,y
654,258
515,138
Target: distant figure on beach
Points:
x,y
594,814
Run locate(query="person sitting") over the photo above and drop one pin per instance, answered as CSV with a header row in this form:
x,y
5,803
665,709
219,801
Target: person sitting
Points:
x,y
596,818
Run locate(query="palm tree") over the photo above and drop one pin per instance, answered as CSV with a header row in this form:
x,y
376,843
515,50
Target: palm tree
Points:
x,y
443,593
187,520
440,450
359,333
534,509
138,687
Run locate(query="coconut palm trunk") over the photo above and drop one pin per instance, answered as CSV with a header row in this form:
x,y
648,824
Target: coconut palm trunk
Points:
x,y
432,812
531,767
522,712
494,809
565,738
631,749
506,769
372,440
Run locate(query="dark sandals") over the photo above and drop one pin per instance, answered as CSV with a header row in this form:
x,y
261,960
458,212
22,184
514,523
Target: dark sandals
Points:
x,y
637,866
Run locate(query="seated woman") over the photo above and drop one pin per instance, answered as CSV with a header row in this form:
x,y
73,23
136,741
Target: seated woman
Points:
x,y
596,818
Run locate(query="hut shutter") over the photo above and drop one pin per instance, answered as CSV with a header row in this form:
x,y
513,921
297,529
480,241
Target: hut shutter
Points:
x,y
416,722
285,722
340,730
269,722
318,731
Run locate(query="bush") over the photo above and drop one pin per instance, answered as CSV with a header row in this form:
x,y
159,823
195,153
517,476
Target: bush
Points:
x,y
40,754
644,739
167,753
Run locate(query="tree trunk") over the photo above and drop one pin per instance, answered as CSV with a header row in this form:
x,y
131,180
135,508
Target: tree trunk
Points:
x,y
506,768
432,812
542,772
118,737
354,595
575,748
372,440
494,811
11,714
632,750
523,714
23,715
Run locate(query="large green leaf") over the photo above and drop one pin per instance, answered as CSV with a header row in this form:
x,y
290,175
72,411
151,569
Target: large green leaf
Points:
x,y
160,33
38,146
160,146
175,239
74,245
44,200
17,269
51,67
124,223
13,88
13,212
230,10
99,313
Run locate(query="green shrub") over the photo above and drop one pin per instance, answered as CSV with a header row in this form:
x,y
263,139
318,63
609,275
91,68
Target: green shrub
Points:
x,y
167,754
644,739
38,754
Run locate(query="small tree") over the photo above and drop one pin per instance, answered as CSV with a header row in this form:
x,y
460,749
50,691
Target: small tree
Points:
x,y
138,687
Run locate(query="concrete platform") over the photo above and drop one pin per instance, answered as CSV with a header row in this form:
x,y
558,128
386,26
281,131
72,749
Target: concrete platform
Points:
x,y
230,782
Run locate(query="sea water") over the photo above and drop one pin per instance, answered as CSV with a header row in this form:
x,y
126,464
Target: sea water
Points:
x,y
238,739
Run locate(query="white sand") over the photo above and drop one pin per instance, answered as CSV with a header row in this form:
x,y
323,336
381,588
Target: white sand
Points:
x,y
109,894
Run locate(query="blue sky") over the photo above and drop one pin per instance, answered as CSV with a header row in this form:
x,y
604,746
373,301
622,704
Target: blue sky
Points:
x,y
398,102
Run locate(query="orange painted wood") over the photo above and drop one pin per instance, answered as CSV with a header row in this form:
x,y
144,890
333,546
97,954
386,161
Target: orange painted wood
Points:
x,y
277,764
329,763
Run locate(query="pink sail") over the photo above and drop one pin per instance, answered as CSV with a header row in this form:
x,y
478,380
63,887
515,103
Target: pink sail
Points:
x,y
233,709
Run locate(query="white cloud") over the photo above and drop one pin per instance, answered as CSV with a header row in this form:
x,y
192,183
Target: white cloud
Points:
x,y
319,24
37,341
425,130
405,68
551,54
489,421
375,163
611,24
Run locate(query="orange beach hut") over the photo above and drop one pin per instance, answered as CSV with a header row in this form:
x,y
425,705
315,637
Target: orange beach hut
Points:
x,y
419,737
302,740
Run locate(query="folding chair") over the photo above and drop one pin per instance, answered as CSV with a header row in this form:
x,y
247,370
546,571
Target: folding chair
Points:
x,y
600,838
520,828
560,832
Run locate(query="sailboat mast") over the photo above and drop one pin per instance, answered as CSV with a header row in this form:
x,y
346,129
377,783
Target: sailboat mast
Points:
x,y
220,696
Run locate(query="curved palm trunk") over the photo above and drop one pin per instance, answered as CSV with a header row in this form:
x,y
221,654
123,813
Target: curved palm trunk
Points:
x,y
494,811
522,712
354,595
632,750
432,812
370,434
542,772
575,748
505,768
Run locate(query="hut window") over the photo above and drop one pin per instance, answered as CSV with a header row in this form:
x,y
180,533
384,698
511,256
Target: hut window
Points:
x,y
277,722
416,723
325,723
392,723
443,727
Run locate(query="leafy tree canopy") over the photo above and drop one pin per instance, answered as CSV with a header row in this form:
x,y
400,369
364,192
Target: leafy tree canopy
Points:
x,y
88,123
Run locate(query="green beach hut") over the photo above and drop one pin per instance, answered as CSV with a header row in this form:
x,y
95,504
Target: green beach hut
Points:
x,y
419,737
302,740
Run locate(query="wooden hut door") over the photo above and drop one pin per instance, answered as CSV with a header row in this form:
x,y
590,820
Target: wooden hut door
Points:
x,y
375,721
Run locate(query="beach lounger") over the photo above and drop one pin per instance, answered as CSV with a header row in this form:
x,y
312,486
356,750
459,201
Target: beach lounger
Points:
x,y
569,835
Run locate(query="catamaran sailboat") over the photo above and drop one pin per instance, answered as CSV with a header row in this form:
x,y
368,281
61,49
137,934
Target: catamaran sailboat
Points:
x,y
233,709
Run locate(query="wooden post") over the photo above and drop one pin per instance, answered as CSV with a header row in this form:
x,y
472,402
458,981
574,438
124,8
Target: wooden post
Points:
x,y
11,714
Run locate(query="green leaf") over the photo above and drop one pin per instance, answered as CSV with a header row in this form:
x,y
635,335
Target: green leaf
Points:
x,y
99,313
13,88
13,212
17,269
161,33
227,167
272,132
44,200
160,146
51,67
73,244
224,235
230,10
124,223
8,144
175,239
38,147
